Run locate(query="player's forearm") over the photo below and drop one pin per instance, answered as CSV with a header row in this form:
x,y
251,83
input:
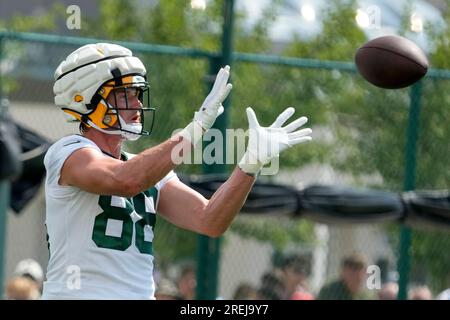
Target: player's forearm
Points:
x,y
226,202
151,165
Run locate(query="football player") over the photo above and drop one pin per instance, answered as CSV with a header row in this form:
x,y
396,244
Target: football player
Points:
x,y
101,202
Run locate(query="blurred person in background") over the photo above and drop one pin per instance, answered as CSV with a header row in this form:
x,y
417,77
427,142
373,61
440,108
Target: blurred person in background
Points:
x,y
166,290
22,288
388,291
271,286
445,295
295,271
31,269
187,282
245,291
350,285
420,293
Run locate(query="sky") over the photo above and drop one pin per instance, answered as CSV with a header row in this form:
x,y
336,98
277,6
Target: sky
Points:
x,y
375,17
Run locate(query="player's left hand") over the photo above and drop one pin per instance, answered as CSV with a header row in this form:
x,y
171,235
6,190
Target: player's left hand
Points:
x,y
266,143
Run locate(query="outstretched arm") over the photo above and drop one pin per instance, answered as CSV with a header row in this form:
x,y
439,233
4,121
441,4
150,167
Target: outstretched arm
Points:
x,y
188,209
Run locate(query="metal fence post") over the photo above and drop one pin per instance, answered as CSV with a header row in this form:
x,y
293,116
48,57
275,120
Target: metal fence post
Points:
x,y
409,184
208,249
4,192
4,203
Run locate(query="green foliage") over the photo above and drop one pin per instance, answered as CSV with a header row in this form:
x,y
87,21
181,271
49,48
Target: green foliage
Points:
x,y
429,247
430,260
430,256
45,22
279,232
172,244
116,21
339,38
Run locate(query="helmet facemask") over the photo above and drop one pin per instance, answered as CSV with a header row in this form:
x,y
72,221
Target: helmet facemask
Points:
x,y
118,111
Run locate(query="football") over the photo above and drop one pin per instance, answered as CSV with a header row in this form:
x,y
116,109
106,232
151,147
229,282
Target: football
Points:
x,y
391,62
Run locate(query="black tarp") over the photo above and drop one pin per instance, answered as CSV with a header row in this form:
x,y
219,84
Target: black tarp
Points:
x,y
10,164
427,209
335,204
338,204
265,197
33,149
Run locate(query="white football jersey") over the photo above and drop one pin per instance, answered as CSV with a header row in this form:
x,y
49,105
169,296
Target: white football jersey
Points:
x,y
100,246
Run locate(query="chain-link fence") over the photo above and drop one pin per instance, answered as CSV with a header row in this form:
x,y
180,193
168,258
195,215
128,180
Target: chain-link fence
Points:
x,y
360,135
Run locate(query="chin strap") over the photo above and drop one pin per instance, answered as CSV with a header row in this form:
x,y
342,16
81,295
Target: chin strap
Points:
x,y
134,134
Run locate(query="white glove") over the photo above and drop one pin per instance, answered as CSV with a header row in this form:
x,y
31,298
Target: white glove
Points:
x,y
211,108
264,144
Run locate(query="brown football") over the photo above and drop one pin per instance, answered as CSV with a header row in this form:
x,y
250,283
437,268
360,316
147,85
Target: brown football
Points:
x,y
391,62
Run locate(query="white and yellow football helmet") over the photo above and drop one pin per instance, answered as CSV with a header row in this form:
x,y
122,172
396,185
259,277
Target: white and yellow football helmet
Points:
x,y
89,74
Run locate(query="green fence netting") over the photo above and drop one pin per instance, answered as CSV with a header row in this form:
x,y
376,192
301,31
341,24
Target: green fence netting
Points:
x,y
360,134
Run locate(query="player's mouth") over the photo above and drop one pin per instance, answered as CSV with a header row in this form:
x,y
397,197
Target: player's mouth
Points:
x,y
136,118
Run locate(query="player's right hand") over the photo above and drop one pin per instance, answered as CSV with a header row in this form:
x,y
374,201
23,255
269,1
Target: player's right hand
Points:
x,y
212,106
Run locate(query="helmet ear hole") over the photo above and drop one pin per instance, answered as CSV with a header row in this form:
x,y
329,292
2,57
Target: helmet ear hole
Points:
x,y
102,116
107,119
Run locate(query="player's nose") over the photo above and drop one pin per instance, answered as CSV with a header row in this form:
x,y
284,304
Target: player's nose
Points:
x,y
134,103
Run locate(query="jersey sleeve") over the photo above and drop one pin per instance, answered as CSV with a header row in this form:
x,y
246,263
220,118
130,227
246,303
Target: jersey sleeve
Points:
x,y
163,181
56,157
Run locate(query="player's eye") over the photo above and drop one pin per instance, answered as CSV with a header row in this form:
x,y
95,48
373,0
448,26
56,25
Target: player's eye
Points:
x,y
120,93
133,92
